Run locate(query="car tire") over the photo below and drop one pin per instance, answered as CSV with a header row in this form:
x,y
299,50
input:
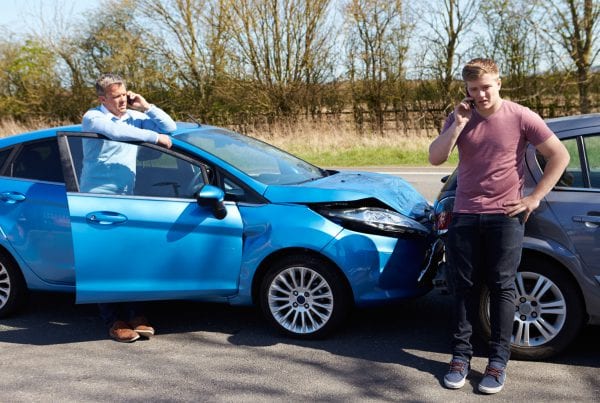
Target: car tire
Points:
x,y
12,286
304,297
549,312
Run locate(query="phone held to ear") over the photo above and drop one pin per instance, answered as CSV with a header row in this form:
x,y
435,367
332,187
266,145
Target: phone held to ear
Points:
x,y
129,100
471,101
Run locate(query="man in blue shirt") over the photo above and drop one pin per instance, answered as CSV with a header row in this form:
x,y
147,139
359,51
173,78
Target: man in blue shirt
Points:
x,y
109,167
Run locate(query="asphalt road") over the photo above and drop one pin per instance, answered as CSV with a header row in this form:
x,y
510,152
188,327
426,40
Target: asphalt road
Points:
x,y
55,351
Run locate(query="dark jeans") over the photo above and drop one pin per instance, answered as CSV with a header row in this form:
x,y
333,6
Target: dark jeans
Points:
x,y
112,312
484,248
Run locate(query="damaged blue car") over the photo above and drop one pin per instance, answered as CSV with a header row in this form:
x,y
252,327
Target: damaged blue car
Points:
x,y
218,217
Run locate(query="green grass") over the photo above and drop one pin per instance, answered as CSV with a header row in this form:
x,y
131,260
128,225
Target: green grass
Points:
x,y
369,156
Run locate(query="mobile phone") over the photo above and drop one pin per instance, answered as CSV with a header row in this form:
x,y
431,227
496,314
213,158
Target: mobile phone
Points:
x,y
471,101
129,100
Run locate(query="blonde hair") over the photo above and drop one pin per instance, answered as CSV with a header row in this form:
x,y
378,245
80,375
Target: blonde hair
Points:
x,y
476,68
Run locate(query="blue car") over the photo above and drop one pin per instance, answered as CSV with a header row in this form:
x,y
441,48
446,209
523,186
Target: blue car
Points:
x,y
219,217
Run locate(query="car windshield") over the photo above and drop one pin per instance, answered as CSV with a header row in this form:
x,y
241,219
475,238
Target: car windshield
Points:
x,y
258,160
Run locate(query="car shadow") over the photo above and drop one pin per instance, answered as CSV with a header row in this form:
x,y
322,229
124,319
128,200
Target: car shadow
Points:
x,y
404,333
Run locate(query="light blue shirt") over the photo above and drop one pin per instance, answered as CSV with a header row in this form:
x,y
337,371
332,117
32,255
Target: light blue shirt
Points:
x,y
109,167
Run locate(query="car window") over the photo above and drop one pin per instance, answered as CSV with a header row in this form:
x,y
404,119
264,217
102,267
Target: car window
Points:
x,y
111,167
592,148
4,155
38,160
572,176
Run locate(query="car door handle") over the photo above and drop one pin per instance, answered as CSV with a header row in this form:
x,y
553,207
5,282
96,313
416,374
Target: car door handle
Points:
x,y
588,219
12,197
105,218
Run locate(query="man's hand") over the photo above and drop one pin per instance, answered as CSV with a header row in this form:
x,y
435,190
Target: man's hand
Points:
x,y
164,141
524,206
137,102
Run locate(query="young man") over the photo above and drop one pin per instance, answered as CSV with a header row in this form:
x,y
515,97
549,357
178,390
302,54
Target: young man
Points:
x,y
486,234
109,167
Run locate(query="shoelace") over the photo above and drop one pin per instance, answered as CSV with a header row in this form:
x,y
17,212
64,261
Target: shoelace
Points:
x,y
457,366
495,372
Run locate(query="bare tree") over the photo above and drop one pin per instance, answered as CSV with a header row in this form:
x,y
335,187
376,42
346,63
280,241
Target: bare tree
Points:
x,y
513,43
377,45
282,47
449,22
192,43
574,25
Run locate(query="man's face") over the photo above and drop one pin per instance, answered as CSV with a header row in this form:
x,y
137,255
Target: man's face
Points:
x,y
115,99
486,92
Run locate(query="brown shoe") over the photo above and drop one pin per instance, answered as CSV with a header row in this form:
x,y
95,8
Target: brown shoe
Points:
x,y
141,326
122,332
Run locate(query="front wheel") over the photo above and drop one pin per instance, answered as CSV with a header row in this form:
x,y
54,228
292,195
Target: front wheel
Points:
x,y
304,297
548,310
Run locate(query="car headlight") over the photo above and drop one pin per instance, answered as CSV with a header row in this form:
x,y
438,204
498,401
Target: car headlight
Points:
x,y
375,220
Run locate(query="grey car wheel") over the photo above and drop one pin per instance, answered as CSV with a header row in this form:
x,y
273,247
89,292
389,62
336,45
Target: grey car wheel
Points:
x,y
548,310
12,287
303,296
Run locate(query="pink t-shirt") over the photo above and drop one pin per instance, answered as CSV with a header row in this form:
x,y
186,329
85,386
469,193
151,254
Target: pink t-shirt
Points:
x,y
491,157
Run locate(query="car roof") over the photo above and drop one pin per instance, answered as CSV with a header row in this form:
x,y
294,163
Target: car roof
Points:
x,y
576,125
9,140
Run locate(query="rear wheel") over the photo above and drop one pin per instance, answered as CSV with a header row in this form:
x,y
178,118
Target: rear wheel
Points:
x,y
549,312
12,287
304,297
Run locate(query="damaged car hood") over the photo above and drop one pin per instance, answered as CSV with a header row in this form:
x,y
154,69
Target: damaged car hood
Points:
x,y
346,186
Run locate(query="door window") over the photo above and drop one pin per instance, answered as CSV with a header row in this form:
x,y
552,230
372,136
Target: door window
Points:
x,y
592,149
111,167
38,160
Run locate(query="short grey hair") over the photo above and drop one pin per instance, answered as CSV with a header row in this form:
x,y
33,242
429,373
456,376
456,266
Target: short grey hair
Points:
x,y
105,81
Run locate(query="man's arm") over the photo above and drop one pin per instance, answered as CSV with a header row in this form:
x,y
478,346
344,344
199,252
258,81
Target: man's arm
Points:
x,y
96,121
441,147
557,158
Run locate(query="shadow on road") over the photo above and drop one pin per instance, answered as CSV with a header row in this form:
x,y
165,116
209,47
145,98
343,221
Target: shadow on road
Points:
x,y
392,334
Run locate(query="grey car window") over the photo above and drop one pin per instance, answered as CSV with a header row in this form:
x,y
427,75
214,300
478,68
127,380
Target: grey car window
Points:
x,y
572,176
592,147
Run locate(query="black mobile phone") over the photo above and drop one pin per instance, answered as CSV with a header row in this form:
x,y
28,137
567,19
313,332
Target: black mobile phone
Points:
x,y
129,100
471,101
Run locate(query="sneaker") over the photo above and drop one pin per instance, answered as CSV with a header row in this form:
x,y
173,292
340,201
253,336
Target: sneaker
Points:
x,y
493,379
122,332
141,326
457,374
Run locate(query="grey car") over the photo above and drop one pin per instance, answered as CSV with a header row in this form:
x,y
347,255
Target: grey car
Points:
x,y
558,281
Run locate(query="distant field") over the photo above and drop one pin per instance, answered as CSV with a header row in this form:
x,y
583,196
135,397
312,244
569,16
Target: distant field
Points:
x,y
323,144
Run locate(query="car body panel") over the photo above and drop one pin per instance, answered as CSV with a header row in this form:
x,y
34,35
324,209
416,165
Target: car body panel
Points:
x,y
352,185
140,258
35,221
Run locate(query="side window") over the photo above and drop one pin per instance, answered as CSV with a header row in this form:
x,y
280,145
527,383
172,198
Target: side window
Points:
x,y
38,160
4,155
592,149
572,176
165,175
111,167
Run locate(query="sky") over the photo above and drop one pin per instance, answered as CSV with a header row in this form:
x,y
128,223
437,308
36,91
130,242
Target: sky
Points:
x,y
15,14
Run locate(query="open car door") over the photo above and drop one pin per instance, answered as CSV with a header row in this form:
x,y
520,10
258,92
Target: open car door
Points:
x,y
152,241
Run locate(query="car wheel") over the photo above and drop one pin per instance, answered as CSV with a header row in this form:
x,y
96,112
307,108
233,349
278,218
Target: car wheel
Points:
x,y
12,287
304,297
548,310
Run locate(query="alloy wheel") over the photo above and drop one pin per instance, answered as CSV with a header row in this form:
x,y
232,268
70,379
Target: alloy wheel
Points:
x,y
300,300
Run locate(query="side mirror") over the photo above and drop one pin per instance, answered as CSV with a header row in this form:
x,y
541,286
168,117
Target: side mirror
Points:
x,y
213,197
